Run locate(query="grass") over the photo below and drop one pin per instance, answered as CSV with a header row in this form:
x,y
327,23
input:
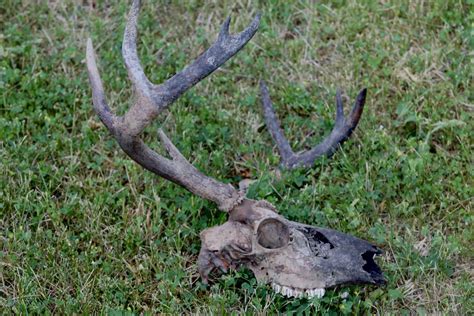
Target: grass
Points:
x,y
85,230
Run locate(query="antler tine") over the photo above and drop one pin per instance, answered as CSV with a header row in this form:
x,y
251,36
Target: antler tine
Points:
x,y
222,50
98,96
273,125
357,109
151,99
129,52
341,131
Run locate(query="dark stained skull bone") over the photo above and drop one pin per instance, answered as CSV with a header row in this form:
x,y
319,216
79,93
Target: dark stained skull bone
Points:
x,y
297,259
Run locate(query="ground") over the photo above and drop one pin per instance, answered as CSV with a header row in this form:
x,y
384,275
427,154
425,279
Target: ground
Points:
x,y
86,230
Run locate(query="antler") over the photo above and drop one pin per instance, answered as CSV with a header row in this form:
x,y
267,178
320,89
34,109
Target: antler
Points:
x,y
151,99
340,133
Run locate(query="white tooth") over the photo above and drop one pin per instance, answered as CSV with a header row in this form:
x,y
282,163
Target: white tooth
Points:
x,y
296,293
290,292
319,293
293,293
277,288
284,290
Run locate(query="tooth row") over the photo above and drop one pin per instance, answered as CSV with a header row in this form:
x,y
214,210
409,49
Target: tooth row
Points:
x,y
291,292
315,293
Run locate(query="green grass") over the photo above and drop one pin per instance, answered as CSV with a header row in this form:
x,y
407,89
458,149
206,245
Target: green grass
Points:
x,y
86,230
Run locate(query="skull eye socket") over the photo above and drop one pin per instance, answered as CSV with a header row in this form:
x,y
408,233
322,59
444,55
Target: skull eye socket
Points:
x,y
272,234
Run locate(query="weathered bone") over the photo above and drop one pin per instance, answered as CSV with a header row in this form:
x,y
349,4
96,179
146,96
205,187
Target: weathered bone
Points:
x,y
341,132
296,259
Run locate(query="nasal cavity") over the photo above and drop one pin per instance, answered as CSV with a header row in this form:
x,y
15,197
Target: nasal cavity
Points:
x,y
272,234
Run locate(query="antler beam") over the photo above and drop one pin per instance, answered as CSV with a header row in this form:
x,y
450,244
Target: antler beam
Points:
x,y
151,99
342,130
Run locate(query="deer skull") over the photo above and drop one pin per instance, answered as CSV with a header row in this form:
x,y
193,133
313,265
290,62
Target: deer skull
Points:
x,y
296,259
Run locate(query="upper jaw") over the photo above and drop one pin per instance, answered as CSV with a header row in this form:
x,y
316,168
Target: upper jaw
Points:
x,y
297,292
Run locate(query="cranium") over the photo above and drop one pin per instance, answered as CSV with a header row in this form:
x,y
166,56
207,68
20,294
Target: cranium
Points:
x,y
296,259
